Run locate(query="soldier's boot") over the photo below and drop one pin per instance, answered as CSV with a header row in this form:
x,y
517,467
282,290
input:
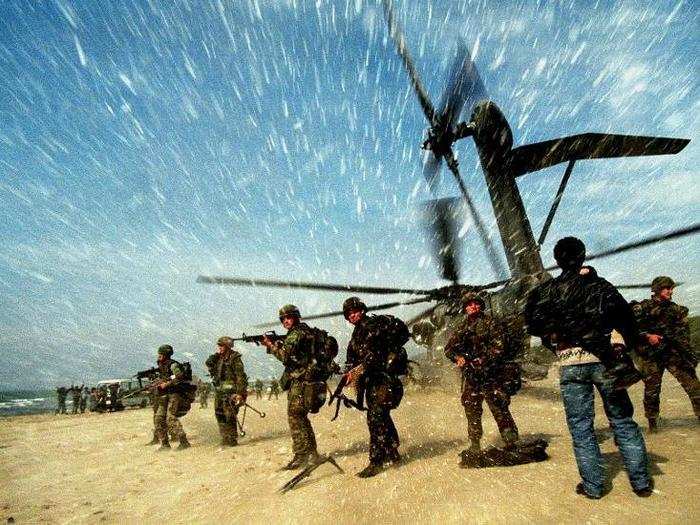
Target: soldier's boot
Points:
x,y
474,447
165,445
510,439
653,425
298,461
154,441
370,470
394,457
183,443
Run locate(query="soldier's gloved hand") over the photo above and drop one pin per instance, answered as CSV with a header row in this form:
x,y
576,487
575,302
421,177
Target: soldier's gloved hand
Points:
x,y
237,399
654,339
460,361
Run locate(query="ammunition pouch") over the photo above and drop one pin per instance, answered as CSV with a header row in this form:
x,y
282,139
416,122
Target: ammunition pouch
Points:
x,y
511,374
386,394
314,395
188,393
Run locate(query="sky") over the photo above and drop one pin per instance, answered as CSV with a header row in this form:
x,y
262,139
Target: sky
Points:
x,y
146,142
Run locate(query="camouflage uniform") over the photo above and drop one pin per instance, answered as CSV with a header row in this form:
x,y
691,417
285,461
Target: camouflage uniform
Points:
x,y
203,395
61,394
480,341
229,378
274,389
296,354
258,387
168,402
373,339
673,353
75,394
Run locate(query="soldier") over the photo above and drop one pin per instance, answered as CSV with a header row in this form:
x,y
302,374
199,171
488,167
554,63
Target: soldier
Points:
x,y
274,389
375,359
574,315
477,347
230,388
75,395
296,354
61,394
203,395
168,399
258,387
665,345
84,395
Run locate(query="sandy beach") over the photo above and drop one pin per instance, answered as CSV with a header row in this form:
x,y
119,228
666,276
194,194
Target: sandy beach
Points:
x,y
94,468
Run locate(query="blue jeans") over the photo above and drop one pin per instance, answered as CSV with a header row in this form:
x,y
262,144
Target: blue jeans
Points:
x,y
577,382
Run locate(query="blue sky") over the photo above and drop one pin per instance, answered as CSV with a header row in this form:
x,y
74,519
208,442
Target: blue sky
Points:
x,y
145,142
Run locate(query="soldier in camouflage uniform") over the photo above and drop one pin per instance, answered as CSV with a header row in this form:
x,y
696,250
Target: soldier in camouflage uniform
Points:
x,y
258,387
477,348
376,341
61,394
665,345
274,389
168,399
75,394
203,395
230,388
296,354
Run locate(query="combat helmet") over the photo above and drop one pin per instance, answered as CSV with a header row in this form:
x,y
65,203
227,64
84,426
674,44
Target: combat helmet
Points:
x,y
289,309
165,350
661,282
473,297
569,252
353,303
225,341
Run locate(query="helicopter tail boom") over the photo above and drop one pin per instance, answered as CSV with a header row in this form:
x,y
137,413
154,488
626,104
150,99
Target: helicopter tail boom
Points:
x,y
540,155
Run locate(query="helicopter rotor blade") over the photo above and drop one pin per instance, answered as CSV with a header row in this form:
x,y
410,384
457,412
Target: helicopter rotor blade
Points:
x,y
396,34
690,230
491,253
431,169
338,313
441,220
464,87
271,283
423,315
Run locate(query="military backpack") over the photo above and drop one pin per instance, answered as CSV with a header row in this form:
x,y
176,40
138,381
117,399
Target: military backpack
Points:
x,y
325,350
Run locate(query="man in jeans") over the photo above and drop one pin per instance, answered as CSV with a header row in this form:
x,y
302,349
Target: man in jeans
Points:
x,y
574,315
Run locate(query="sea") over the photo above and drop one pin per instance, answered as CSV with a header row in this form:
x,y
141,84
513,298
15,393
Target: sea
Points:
x,y
20,402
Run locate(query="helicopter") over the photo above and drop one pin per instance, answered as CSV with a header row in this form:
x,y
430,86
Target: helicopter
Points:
x,y
502,164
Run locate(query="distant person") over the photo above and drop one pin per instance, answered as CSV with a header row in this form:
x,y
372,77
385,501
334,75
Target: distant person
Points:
x,y
203,395
274,389
84,396
258,387
94,399
75,394
665,345
61,395
114,397
574,315
230,388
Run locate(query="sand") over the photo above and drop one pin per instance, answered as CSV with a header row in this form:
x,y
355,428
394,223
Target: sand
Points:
x,y
95,468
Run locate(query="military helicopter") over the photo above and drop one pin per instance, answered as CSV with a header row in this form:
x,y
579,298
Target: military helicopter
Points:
x,y
502,164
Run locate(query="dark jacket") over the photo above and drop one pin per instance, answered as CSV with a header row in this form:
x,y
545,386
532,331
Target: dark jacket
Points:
x,y
579,310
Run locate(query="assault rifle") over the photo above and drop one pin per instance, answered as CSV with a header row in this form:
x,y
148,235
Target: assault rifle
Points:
x,y
257,339
147,374
339,397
